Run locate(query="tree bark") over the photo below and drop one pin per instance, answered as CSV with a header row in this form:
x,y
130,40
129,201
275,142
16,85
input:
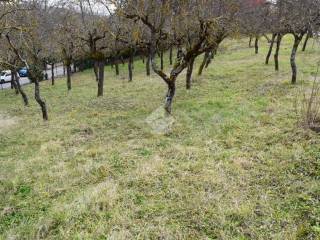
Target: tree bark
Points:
x,y
130,67
189,73
52,74
276,55
39,100
204,61
210,58
256,45
170,56
96,70
297,40
101,78
170,95
13,83
23,94
161,60
306,42
117,68
270,48
69,77
148,65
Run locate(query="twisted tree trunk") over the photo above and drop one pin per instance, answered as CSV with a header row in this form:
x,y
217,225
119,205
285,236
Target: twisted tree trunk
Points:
x,y
170,95
38,98
309,35
276,55
13,82
210,58
189,73
297,40
204,61
23,94
270,48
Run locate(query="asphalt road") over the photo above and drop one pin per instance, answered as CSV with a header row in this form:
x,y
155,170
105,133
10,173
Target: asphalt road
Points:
x,y
58,72
23,81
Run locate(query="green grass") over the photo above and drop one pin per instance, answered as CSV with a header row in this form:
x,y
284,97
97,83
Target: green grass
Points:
x,y
235,166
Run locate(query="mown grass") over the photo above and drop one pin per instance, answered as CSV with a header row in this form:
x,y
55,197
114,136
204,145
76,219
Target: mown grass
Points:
x,y
235,166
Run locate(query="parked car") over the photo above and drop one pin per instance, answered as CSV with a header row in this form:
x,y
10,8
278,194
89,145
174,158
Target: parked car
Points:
x,y
23,72
5,76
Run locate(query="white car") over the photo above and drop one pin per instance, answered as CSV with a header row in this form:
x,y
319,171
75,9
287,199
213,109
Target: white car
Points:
x,y
5,76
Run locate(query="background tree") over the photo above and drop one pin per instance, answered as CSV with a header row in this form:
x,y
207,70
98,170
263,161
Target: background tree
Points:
x,y
210,21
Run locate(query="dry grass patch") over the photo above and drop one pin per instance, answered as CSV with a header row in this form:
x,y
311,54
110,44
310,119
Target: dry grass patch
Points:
x,y
6,122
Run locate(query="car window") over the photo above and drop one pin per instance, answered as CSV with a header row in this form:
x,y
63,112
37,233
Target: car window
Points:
x,y
3,73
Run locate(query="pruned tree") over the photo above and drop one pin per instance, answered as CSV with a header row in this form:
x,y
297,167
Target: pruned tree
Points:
x,y
199,28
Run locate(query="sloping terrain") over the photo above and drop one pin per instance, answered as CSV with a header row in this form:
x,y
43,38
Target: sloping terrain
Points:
x,y
235,165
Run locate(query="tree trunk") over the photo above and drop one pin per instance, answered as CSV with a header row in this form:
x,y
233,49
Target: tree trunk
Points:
x,y
204,61
96,70
69,77
250,42
101,78
306,42
117,68
210,58
52,74
23,94
148,64
170,56
256,45
270,48
161,60
297,41
276,55
189,73
64,70
170,95
130,66
13,83
37,96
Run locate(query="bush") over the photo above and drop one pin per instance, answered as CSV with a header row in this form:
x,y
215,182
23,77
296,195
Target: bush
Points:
x,y
309,108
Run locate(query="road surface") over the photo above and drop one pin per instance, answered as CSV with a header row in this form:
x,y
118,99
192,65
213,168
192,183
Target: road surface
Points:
x,y
23,81
58,72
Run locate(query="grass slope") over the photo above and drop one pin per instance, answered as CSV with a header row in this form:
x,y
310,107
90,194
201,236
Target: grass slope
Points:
x,y
236,165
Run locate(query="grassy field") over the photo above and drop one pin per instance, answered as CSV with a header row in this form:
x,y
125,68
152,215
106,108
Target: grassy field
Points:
x,y
236,165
